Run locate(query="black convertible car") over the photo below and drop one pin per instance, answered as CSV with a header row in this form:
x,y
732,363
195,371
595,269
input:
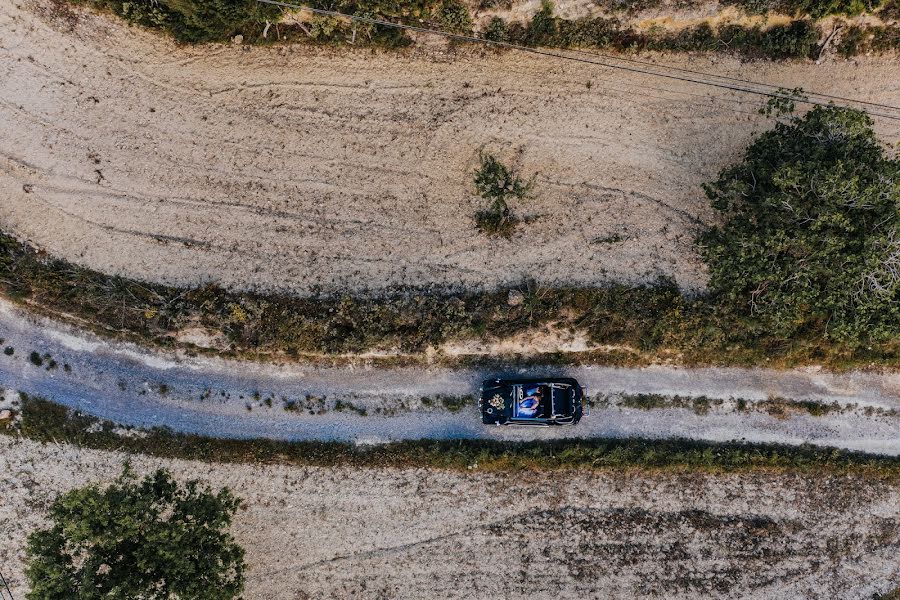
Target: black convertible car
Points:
x,y
542,402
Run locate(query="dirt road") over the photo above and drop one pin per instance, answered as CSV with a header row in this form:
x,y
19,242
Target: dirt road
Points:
x,y
296,402
298,168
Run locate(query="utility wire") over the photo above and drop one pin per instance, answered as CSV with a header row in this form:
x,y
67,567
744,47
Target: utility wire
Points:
x,y
664,66
5,587
727,78
540,52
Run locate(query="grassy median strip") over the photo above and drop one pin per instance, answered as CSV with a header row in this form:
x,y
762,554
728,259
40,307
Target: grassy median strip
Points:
x,y
45,421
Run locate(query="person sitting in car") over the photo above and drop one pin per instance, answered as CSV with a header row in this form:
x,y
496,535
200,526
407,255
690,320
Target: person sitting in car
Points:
x,y
530,405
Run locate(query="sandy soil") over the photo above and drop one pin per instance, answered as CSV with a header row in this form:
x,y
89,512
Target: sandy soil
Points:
x,y
298,169
320,533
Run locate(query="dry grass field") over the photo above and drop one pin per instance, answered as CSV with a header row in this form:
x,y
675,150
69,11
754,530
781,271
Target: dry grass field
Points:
x,y
418,533
302,168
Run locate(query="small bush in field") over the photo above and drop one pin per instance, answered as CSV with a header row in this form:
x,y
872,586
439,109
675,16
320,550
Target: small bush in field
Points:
x,y
496,30
496,182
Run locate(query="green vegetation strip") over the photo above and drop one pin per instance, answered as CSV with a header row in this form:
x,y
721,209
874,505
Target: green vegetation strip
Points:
x,y
657,321
773,406
46,421
219,20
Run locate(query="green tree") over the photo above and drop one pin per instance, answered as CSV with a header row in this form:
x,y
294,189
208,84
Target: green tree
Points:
x,y
811,237
148,539
214,20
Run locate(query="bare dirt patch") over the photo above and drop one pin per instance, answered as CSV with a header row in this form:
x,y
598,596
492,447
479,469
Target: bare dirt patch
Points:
x,y
298,169
414,533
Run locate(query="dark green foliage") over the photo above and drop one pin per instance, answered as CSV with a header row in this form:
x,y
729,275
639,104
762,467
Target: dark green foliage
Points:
x,y
783,103
194,20
542,29
43,420
456,403
496,220
811,241
150,539
796,39
816,9
454,16
700,38
495,180
496,183
496,30
853,41
211,20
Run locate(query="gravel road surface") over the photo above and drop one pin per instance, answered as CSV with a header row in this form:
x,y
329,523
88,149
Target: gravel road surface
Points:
x,y
222,398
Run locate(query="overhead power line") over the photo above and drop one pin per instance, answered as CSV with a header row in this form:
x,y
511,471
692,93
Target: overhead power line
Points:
x,y
727,78
810,97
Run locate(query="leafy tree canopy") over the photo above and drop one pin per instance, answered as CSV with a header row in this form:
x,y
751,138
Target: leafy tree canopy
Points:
x,y
811,234
148,539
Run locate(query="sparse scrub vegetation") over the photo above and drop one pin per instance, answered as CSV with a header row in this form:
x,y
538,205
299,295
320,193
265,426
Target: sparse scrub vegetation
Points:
x,y
454,16
797,39
876,39
219,20
456,403
816,9
340,406
193,20
148,538
701,405
496,30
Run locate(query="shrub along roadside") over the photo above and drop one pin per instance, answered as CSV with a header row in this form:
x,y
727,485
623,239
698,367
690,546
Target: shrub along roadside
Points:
x,y
874,39
657,322
45,421
796,39
194,21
